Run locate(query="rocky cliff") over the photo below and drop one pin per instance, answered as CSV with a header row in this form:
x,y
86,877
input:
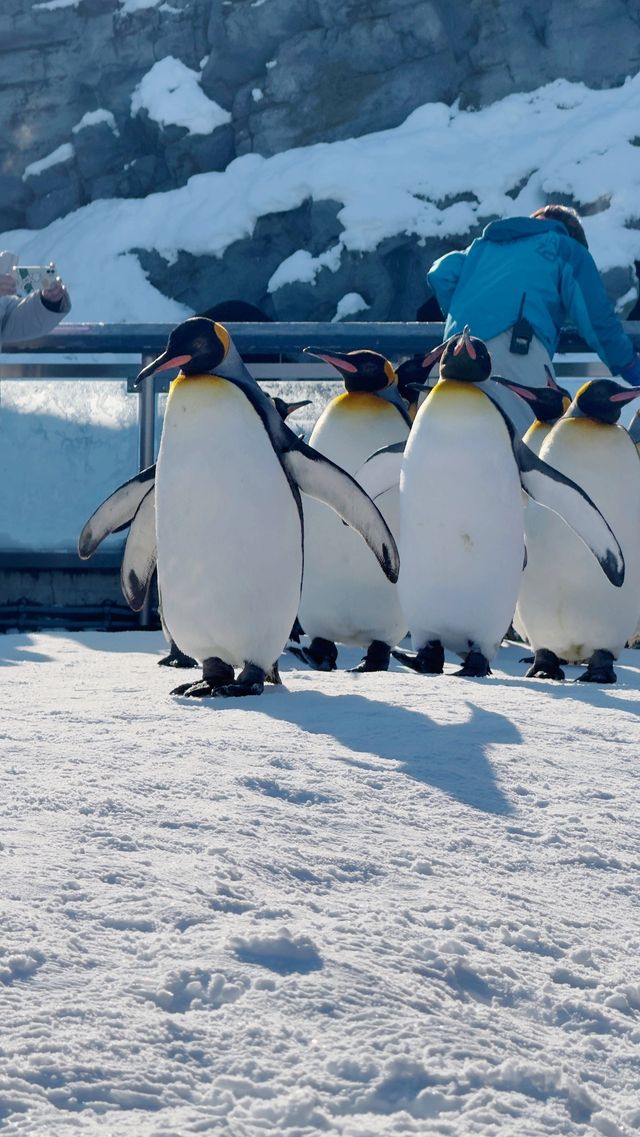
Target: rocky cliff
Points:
x,y
81,111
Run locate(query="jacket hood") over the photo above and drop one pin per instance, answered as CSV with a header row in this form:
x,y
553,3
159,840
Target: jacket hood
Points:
x,y
514,228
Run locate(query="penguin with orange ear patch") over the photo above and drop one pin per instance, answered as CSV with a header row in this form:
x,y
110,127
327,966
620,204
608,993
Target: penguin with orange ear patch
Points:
x,y
569,611
461,516
228,514
344,597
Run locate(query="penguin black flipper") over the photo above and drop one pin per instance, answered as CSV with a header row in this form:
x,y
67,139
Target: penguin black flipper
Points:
x,y
553,490
320,478
140,553
116,512
381,471
548,487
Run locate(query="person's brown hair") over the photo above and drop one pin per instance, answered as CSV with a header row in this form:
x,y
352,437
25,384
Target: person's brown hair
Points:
x,y
569,218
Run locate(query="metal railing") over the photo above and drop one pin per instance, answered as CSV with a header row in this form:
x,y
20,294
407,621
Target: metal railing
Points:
x,y
284,340
147,340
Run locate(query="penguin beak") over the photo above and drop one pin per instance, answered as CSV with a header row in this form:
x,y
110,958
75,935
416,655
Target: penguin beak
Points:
x,y
433,355
528,393
419,387
337,359
162,363
625,396
465,342
551,379
291,407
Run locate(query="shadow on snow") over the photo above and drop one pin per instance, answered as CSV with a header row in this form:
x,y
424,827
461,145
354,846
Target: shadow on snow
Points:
x,y
450,757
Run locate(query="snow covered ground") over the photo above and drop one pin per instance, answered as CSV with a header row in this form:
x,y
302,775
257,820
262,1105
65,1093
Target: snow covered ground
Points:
x,y
359,905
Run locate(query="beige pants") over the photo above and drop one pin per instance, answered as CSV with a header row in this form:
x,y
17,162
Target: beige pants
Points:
x,y
528,370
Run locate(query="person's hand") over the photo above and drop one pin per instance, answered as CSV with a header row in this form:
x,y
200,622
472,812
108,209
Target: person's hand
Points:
x,y
7,284
53,290
631,371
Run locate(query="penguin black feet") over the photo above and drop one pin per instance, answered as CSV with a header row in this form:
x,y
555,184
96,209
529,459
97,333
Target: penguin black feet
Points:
x,y
250,681
475,666
546,665
273,675
321,654
376,659
428,661
176,658
599,669
215,674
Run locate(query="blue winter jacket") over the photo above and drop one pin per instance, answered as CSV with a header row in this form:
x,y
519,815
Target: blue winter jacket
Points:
x,y
483,286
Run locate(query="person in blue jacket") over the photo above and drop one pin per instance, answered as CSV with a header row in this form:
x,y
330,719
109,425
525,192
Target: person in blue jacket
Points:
x,y
520,283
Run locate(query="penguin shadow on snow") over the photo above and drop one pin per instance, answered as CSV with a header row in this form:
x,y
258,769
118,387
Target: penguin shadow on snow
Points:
x,y
451,757
591,694
16,648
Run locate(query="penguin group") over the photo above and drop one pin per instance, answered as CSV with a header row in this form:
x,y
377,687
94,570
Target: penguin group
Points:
x,y
405,512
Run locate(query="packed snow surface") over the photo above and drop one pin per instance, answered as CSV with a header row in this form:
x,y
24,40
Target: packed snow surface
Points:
x,y
359,905
440,173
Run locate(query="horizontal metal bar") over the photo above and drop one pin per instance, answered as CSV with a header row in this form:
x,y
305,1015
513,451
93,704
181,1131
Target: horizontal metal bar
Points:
x,y
265,372
65,371
390,338
52,561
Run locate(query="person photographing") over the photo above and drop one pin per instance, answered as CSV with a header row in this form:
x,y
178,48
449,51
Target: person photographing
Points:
x,y
32,316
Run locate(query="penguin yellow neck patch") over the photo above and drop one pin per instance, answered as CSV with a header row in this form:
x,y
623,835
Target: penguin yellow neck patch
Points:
x,y
361,402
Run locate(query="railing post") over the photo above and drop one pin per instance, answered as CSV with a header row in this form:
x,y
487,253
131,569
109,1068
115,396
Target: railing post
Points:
x,y
146,418
146,446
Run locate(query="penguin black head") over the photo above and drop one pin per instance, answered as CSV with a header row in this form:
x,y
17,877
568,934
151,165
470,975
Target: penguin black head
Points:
x,y
197,346
361,370
602,400
547,403
466,358
414,372
285,409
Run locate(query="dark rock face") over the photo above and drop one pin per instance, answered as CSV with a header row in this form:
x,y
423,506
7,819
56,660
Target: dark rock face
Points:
x,y
291,73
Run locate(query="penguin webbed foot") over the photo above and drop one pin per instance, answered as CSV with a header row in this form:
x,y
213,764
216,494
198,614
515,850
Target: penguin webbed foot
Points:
x,y
176,658
429,660
546,665
273,675
215,674
475,666
250,681
321,654
599,669
200,690
376,659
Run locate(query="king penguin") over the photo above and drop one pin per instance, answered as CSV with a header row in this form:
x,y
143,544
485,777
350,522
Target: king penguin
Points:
x,y
229,515
344,597
132,506
568,610
548,404
461,516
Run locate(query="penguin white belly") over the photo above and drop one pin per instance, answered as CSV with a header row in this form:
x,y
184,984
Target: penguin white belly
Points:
x,y
461,523
345,596
228,528
566,603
